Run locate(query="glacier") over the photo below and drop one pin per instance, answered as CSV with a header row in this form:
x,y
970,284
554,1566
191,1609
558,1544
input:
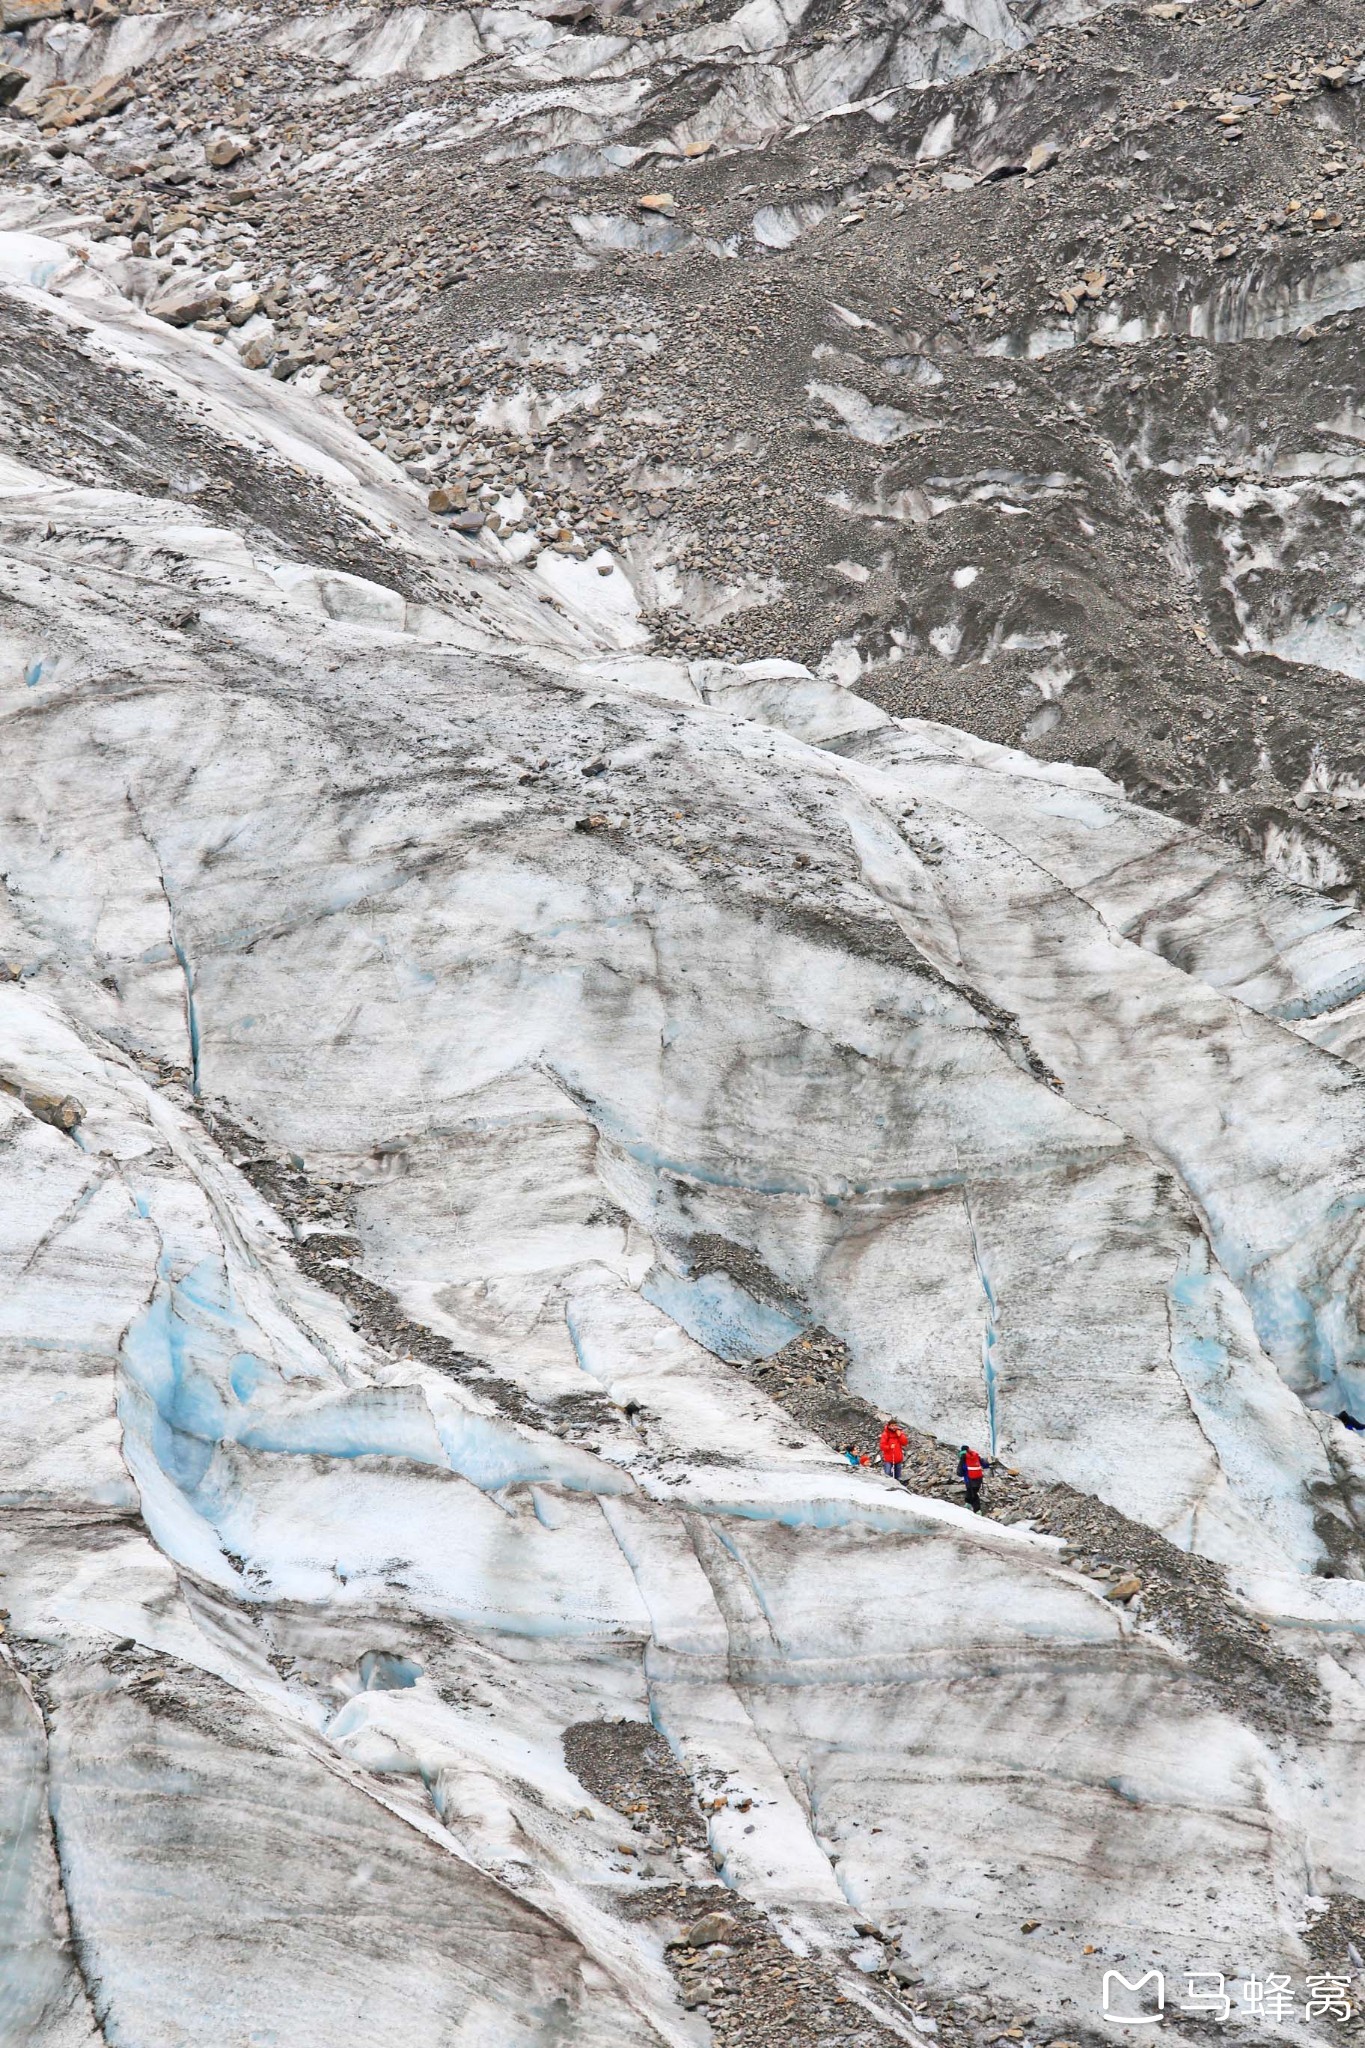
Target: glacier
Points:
x,y
542,967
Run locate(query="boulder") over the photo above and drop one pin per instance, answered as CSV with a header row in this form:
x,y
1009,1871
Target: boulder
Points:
x,y
184,301
259,350
1126,1588
998,167
712,1927
63,1112
225,150
23,13
448,498
109,95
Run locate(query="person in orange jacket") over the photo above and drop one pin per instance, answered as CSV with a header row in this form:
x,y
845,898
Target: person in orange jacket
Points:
x,y
892,1448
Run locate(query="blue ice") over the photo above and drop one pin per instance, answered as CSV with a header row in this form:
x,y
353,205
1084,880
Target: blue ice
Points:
x,y
194,1381
190,1353
380,1671
492,1456
249,1374
381,1422
722,1315
189,1324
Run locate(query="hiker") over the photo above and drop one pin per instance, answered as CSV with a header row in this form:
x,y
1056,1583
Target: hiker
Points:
x,y
1349,1420
854,1456
971,1470
892,1448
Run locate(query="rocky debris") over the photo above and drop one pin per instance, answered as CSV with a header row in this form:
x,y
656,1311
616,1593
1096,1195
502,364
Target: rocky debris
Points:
x,y
60,106
1085,176
730,1963
1335,1936
70,413
756,1992
1186,1599
628,1765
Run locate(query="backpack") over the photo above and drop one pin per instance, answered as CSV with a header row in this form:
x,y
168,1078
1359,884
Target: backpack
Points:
x,y
972,1467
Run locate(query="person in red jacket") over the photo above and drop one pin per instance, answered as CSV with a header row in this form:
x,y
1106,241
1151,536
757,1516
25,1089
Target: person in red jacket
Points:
x,y
971,1470
892,1448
